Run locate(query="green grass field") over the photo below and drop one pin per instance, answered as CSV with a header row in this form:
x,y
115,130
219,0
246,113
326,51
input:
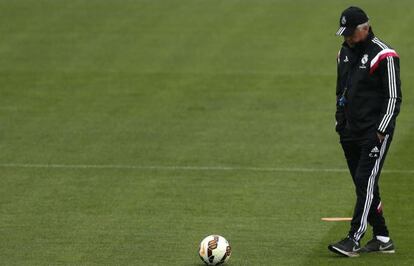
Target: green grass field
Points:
x,y
130,130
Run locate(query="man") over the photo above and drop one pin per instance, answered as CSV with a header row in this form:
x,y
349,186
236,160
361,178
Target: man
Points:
x,y
368,102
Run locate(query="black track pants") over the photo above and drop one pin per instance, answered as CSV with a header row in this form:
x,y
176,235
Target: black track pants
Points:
x,y
365,159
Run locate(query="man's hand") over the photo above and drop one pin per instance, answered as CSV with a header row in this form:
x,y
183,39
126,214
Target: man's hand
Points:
x,y
380,137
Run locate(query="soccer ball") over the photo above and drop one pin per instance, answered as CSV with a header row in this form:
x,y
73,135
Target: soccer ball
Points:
x,y
214,250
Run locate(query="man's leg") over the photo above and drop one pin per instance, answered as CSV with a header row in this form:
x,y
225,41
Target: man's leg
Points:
x,y
366,179
352,152
381,241
375,216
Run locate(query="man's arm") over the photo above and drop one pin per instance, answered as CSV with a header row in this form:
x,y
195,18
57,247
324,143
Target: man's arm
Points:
x,y
340,114
389,70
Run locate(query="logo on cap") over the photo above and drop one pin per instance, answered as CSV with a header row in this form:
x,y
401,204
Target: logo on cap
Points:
x,y
343,20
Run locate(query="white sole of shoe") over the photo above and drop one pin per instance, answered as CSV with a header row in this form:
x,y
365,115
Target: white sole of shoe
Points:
x,y
345,253
387,251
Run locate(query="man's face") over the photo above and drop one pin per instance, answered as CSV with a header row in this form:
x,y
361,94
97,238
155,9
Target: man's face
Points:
x,y
358,36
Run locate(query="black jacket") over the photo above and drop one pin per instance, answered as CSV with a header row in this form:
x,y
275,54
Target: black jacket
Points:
x,y
368,88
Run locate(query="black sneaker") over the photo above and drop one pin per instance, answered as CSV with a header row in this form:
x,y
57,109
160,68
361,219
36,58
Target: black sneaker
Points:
x,y
376,245
347,247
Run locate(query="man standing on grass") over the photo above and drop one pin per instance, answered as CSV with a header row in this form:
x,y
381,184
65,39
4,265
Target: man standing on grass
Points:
x,y
368,101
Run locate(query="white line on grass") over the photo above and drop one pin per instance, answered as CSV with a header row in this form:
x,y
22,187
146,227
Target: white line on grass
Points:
x,y
193,168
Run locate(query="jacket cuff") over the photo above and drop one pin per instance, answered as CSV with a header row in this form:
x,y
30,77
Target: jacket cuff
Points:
x,y
382,132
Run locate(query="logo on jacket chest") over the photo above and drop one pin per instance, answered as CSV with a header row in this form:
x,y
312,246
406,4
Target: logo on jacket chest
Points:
x,y
364,60
346,60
